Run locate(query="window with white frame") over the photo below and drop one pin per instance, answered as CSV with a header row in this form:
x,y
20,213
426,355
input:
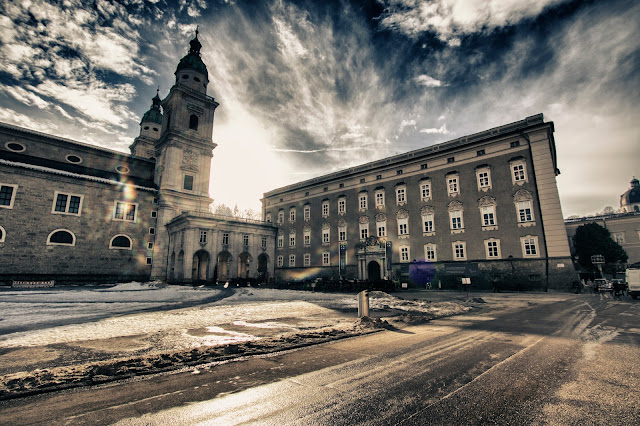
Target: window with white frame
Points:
x,y
245,240
326,258
120,242
403,223
518,171
292,260
3,234
428,223
280,261
456,218
430,252
268,218
325,208
381,225
306,236
70,204
203,236
425,190
459,250
307,259
307,212
124,211
326,234
281,217
488,214
61,237
342,205
7,195
280,241
342,232
483,176
264,242
401,195
362,201
529,246
292,214
453,186
523,201
292,239
619,237
379,198
404,254
364,230
492,248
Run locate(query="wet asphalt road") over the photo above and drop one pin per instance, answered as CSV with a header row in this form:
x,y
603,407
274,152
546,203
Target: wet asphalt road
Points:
x,y
548,362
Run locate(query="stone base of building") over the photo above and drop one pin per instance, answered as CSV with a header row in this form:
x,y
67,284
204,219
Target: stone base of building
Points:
x,y
69,280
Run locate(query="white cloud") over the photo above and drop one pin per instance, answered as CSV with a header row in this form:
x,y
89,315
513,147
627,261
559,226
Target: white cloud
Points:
x,y
440,130
428,81
448,18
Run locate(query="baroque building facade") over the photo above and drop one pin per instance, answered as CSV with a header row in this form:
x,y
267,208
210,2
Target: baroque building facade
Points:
x,y
70,211
484,206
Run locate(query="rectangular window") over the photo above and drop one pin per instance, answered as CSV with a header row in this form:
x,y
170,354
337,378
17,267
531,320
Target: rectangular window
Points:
x,y
148,261
515,144
67,204
404,254
430,252
150,246
493,249
483,179
427,222
268,218
280,217
292,215
124,211
326,260
203,237
342,233
423,166
152,231
364,231
382,229
378,177
524,211
292,260
292,240
518,172
480,152
488,216
456,219
154,214
342,206
264,242
403,226
325,209
425,191
398,172
280,261
225,238
362,180
325,236
530,246
459,251
307,212
363,201
400,195
341,185
452,185
307,238
245,240
280,241
380,199
307,259
188,183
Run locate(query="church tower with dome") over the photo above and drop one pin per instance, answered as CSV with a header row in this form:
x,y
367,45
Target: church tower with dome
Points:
x,y
630,200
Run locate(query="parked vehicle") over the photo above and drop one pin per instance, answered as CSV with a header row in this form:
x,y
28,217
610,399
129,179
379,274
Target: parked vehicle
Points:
x,y
619,286
602,285
633,280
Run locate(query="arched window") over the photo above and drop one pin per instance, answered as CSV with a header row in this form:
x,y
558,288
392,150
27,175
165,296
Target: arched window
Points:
x,y
193,122
61,237
2,234
122,242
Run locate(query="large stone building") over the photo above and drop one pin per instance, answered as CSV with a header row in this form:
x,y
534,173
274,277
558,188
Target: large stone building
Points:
x,y
74,212
483,206
624,227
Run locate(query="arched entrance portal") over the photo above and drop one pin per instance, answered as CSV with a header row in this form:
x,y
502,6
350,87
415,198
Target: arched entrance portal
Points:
x,y
200,266
244,265
222,266
373,271
263,268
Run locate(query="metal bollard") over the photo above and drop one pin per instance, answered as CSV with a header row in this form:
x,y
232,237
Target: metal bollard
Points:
x,y
363,304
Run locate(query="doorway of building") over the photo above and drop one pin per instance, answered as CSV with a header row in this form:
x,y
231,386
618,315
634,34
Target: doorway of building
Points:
x,y
244,265
222,264
373,271
200,266
263,271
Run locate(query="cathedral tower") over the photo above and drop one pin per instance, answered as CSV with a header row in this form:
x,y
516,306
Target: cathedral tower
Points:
x,y
150,125
184,149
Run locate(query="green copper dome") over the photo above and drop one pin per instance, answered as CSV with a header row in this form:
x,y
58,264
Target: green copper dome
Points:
x,y
154,115
193,60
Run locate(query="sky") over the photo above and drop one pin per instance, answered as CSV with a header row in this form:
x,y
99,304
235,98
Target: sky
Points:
x,y
311,87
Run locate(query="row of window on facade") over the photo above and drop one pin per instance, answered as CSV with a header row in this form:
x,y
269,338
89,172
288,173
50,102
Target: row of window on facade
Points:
x,y
483,180
523,201
529,245
71,204
64,237
204,238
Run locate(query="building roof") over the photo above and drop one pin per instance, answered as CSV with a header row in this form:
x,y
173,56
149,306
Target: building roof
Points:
x,y
632,195
193,60
154,115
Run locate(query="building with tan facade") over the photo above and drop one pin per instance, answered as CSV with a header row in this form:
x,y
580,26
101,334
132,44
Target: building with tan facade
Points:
x,y
484,206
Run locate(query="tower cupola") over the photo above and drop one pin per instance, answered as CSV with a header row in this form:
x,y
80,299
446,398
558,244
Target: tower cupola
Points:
x,y
191,71
630,200
150,130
